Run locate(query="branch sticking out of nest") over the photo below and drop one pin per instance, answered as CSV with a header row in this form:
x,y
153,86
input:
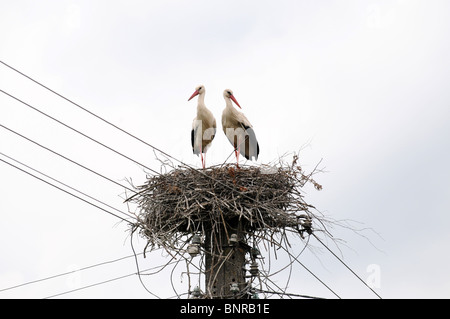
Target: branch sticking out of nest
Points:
x,y
266,199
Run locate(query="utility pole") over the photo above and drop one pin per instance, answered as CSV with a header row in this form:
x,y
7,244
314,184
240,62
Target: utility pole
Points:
x,y
225,250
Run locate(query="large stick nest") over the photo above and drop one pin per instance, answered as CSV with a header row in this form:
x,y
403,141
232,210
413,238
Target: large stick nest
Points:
x,y
266,199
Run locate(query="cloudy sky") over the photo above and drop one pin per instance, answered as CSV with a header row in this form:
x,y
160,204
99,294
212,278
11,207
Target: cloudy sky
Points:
x,y
361,86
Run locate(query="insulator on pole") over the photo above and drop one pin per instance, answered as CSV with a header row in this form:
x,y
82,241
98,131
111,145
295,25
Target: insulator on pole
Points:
x,y
234,288
234,239
254,271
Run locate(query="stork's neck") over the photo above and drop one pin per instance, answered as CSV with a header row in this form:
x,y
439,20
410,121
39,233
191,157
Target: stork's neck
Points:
x,y
228,103
229,107
201,101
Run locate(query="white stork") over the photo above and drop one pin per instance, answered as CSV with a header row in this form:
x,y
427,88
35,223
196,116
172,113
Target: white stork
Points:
x,y
238,129
203,126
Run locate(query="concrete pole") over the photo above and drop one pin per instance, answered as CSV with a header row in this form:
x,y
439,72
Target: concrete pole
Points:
x,y
225,262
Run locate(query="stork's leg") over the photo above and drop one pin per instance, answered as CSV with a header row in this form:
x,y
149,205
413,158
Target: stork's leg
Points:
x,y
236,152
204,160
201,156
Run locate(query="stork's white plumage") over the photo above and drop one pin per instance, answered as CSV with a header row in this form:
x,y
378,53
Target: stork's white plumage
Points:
x,y
238,129
203,126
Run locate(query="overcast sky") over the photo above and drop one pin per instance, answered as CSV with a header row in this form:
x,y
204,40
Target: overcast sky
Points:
x,y
360,85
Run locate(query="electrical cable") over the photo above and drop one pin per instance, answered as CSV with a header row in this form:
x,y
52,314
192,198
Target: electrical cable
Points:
x,y
346,266
143,272
77,131
63,190
92,113
65,158
68,273
89,286
314,275
287,294
65,185
137,265
99,283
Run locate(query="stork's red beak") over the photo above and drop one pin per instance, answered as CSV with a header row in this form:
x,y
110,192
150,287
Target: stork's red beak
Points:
x,y
194,94
234,100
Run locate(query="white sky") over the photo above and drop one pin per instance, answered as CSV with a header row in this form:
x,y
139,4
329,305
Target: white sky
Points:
x,y
364,84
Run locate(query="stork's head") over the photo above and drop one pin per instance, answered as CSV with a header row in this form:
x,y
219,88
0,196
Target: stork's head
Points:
x,y
228,94
198,90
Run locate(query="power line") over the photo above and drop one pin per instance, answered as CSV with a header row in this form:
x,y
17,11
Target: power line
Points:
x,y
59,182
109,280
347,266
312,274
90,286
137,266
92,113
77,131
66,158
67,273
286,294
63,190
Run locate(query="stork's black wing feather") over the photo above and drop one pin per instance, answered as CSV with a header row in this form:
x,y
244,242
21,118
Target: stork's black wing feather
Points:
x,y
192,140
250,141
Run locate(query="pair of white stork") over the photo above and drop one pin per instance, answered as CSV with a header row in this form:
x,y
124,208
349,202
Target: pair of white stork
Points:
x,y
235,125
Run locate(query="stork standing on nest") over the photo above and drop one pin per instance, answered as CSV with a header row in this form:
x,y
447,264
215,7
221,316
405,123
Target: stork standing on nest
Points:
x,y
203,126
238,129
